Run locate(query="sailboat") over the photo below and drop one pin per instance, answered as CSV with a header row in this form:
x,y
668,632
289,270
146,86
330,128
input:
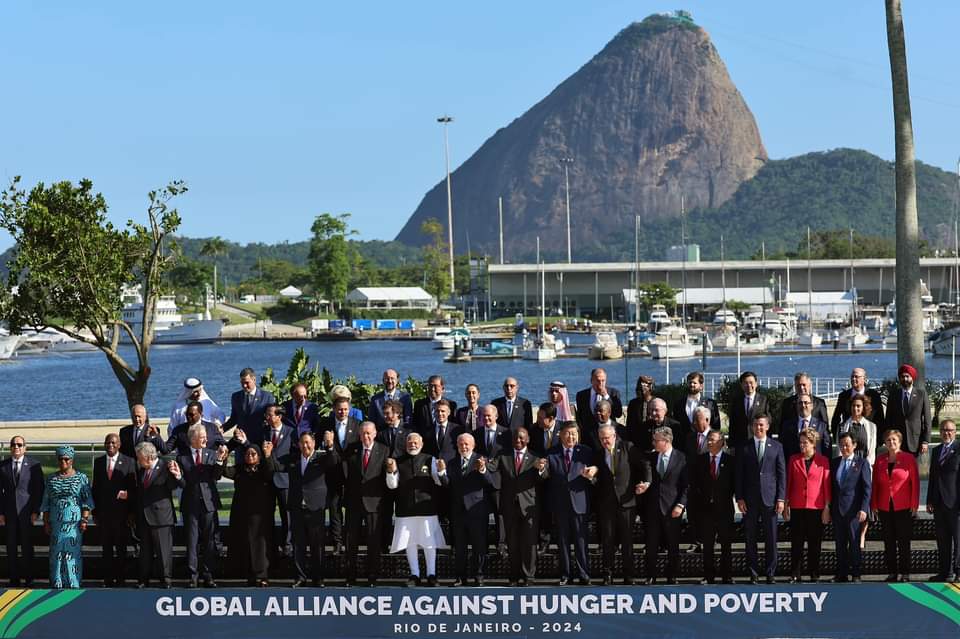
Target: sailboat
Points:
x,y
809,337
540,351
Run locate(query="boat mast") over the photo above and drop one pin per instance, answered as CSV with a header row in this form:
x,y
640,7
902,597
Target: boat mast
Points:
x,y
809,287
723,281
853,288
636,271
683,243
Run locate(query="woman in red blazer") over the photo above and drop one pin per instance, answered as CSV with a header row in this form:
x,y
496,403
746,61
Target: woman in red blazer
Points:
x,y
896,498
808,496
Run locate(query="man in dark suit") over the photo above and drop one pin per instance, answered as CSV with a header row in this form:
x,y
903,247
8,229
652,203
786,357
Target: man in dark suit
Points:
x,y
518,502
745,405
156,516
587,400
643,438
761,483
139,430
364,463
179,441
247,406
804,418
683,409
943,500
908,410
850,482
858,387
802,385
711,497
283,437
601,414
346,432
665,500
470,482
513,411
114,487
424,409
571,472
440,440
21,491
468,415
491,440
299,412
391,390
544,436
200,468
621,467
393,435
694,443
307,499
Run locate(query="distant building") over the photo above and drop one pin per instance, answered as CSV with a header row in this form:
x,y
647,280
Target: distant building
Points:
x,y
390,297
675,253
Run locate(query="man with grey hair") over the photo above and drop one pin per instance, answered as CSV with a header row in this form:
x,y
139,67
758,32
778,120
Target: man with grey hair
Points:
x,y
656,418
155,512
470,484
201,468
790,409
492,439
664,504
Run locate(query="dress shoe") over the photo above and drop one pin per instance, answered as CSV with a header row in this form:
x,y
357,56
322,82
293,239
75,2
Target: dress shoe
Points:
x,y
337,548
904,578
608,580
771,580
349,583
317,583
628,581
522,583
263,583
459,583
167,585
299,583
856,580
706,582
754,580
563,581
794,579
649,581
192,583
209,583
431,581
412,581
543,547
478,581
583,581
372,582
142,584
935,578
891,578
695,548
514,583
839,580
671,581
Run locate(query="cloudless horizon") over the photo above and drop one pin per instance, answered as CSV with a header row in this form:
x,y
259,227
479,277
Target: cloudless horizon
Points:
x,y
276,113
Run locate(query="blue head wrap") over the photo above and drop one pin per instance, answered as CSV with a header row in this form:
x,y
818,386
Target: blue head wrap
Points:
x,y
65,451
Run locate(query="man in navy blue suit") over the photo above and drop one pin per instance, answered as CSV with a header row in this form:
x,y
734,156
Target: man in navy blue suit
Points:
x,y
284,439
571,474
761,483
247,406
391,390
199,503
665,502
21,489
851,482
299,412
943,500
790,430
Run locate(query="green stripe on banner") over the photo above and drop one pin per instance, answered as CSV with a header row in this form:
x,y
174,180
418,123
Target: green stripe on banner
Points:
x,y
917,594
42,609
18,609
946,592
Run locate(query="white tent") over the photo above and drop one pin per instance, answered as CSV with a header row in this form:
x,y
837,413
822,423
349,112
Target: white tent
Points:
x,y
292,292
390,297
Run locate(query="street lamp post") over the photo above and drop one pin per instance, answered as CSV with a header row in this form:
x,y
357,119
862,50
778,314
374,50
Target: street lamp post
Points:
x,y
445,120
567,161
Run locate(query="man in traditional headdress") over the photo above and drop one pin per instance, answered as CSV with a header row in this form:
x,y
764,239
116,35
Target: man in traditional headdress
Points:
x,y
193,391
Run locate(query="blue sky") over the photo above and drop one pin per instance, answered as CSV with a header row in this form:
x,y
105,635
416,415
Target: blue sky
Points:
x,y
276,112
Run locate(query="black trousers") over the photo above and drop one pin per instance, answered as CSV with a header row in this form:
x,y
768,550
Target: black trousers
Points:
x,y
572,529
114,537
335,506
156,541
365,527
470,530
897,528
805,527
616,530
18,534
716,524
282,537
201,544
308,531
666,529
846,531
758,515
522,542
947,522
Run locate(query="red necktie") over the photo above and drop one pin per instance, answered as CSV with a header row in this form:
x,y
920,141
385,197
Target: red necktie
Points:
x,y
109,468
366,457
147,478
713,467
519,462
276,435
197,461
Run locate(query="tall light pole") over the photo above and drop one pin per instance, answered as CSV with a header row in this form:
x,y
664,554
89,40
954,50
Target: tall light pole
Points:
x,y
445,120
567,161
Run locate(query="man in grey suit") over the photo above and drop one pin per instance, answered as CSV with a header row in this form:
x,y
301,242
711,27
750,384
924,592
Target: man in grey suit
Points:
x,y
391,390
908,410
21,490
155,513
761,483
943,500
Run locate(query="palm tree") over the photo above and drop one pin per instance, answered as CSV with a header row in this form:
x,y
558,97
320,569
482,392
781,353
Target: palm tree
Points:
x,y
214,247
909,311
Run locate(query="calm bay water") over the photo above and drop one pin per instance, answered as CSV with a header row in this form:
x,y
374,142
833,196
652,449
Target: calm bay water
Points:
x,y
82,385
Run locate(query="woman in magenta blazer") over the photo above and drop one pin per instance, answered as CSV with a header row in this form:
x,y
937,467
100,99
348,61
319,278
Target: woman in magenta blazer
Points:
x,y
896,498
807,507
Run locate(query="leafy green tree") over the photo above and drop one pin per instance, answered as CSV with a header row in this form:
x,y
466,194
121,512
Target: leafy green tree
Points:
x,y
658,293
72,263
189,278
214,247
435,265
330,256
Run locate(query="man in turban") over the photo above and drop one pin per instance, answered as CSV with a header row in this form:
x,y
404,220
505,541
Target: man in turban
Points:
x,y
908,410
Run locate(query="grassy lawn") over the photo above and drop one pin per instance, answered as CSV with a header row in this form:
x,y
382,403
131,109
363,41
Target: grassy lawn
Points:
x,y
233,318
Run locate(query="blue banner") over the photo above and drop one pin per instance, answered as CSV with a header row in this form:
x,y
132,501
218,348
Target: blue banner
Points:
x,y
870,611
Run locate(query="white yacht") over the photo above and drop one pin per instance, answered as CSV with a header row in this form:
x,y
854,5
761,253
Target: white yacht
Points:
x,y
8,344
672,342
725,317
605,346
169,327
659,318
810,338
444,336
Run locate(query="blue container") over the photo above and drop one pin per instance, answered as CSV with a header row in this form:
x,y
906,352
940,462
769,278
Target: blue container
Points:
x,y
387,325
334,324
405,325
363,324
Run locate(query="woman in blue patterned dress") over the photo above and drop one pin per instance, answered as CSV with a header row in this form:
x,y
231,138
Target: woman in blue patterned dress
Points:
x,y
66,507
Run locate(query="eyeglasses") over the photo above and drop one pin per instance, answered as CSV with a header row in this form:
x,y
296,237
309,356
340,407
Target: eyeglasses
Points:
x,y
63,459
17,445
